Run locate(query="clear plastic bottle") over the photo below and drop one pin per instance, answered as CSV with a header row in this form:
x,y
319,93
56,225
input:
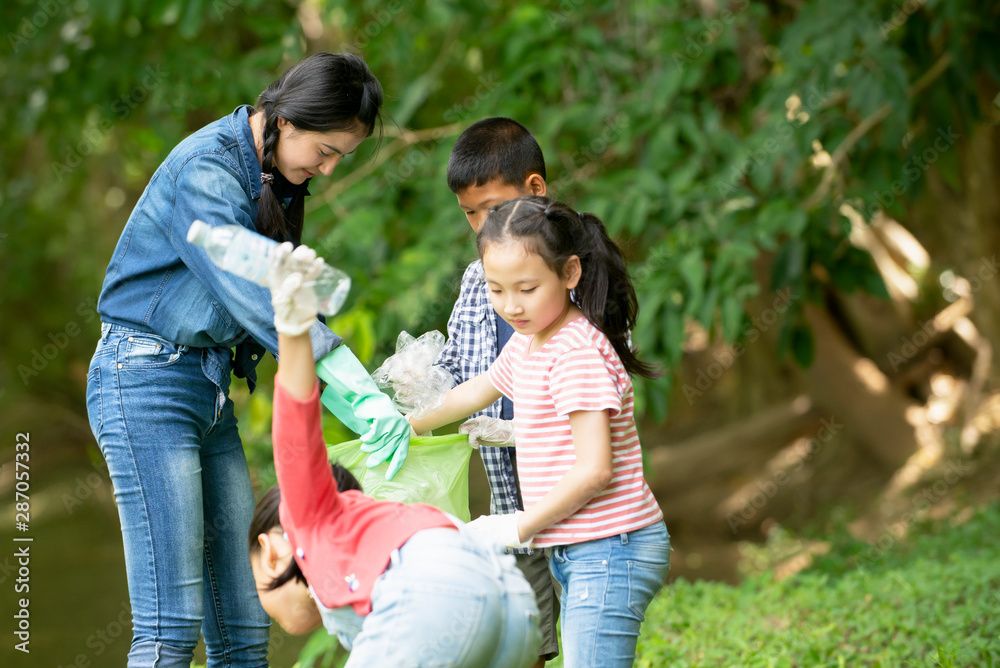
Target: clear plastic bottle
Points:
x,y
240,251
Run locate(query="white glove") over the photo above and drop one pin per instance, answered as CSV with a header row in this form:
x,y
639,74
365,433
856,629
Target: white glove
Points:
x,y
493,432
497,530
291,276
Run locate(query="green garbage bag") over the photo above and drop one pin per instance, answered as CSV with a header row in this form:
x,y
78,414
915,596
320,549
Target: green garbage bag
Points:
x,y
436,472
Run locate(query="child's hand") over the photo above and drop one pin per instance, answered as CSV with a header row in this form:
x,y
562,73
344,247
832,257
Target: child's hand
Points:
x,y
492,432
291,276
498,530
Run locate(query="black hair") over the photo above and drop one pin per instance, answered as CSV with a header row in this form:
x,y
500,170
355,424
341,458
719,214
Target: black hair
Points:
x,y
265,518
324,92
556,232
494,149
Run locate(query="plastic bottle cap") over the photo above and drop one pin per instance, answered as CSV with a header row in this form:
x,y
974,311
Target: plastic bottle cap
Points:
x,y
197,231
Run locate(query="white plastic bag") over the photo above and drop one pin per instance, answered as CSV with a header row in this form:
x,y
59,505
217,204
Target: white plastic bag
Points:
x,y
418,386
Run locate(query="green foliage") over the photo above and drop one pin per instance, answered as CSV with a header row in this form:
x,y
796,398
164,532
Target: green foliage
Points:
x,y
931,599
697,139
691,136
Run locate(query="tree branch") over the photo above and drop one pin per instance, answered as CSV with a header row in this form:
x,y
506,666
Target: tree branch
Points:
x,y
855,135
402,139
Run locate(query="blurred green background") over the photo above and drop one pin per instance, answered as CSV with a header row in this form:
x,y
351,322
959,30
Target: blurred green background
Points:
x,y
806,192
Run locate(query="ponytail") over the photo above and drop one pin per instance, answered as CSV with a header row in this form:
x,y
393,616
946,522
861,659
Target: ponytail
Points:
x,y
556,232
324,92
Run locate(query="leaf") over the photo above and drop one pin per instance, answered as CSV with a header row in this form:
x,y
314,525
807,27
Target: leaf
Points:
x,y
803,345
732,318
706,310
844,276
692,268
873,283
789,264
674,330
191,23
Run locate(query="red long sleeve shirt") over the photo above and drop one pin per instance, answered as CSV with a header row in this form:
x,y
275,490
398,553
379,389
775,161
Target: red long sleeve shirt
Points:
x,y
342,540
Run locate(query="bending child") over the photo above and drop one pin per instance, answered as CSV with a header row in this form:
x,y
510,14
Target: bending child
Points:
x,y
567,369
400,585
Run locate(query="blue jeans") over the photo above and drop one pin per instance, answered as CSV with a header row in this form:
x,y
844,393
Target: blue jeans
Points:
x,y
447,601
606,586
184,498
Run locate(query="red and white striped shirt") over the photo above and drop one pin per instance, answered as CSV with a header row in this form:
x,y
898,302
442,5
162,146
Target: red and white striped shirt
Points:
x,y
576,370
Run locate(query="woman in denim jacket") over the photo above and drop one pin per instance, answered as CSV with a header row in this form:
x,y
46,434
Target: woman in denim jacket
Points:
x,y
158,384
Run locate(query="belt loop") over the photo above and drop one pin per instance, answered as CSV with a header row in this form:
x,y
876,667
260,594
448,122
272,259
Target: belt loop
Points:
x,y
105,330
624,539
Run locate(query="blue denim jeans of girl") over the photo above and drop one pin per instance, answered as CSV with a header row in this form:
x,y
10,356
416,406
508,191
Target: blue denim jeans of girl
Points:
x,y
448,601
606,586
184,498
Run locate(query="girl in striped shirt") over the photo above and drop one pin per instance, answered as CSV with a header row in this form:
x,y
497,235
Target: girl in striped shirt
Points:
x,y
561,282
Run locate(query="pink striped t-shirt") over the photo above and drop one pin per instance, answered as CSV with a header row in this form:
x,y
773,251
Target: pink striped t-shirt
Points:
x,y
575,370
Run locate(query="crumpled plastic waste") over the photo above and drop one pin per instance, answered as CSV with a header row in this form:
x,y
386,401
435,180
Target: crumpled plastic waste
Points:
x,y
417,385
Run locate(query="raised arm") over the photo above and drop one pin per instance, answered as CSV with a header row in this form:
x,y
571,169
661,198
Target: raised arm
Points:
x,y
296,370
309,492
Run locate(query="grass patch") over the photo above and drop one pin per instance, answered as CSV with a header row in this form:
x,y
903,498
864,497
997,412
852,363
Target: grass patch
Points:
x,y
930,599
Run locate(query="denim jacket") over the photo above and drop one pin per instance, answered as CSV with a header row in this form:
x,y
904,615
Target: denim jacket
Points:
x,y
159,283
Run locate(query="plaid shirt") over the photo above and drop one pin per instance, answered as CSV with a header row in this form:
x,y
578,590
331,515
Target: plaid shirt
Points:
x,y
470,350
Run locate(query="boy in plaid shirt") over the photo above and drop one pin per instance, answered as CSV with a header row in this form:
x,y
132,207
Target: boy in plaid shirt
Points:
x,y
494,160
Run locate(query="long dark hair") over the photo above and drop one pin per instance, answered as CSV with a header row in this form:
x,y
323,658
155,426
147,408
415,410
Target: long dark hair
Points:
x,y
265,518
556,232
324,92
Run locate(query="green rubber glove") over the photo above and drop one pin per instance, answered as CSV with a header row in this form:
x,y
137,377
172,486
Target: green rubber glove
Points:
x,y
353,397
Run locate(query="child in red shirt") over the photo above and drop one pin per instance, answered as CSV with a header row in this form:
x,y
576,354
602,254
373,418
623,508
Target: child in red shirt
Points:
x,y
400,585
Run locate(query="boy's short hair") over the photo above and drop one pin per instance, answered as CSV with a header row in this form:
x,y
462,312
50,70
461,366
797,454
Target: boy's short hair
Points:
x,y
494,149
